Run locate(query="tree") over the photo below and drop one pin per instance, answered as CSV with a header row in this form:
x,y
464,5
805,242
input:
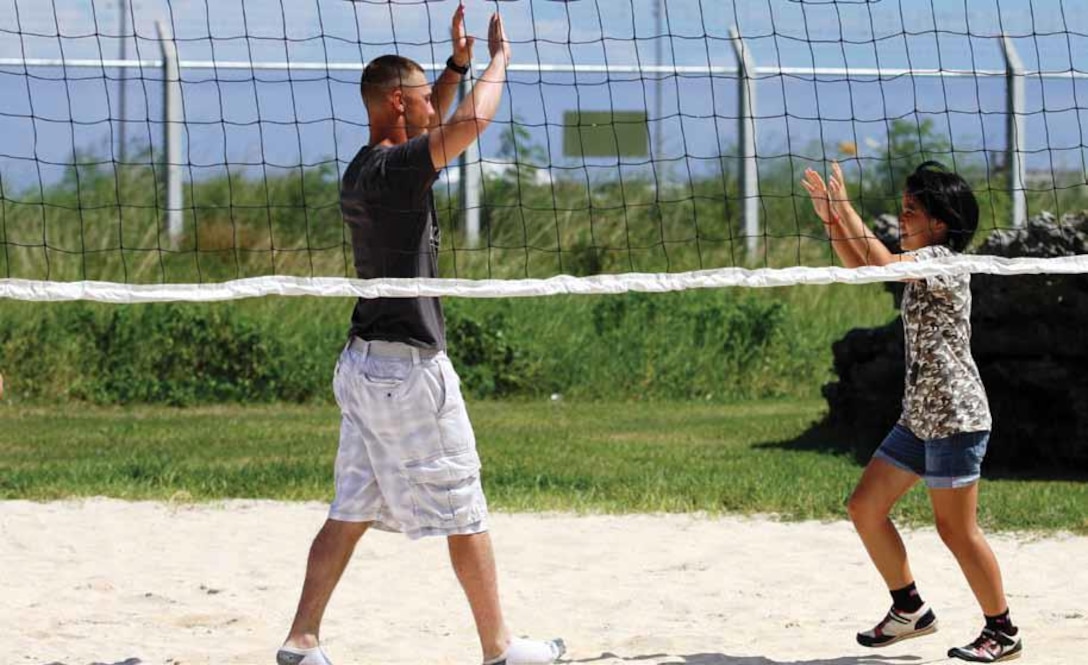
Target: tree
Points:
x,y
517,147
909,144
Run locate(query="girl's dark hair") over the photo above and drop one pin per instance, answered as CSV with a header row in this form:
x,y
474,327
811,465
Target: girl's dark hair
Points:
x,y
946,196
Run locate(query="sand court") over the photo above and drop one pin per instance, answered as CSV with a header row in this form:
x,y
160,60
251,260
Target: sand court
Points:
x,y
107,581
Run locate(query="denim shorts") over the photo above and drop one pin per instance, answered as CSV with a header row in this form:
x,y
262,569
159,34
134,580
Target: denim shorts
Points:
x,y
948,463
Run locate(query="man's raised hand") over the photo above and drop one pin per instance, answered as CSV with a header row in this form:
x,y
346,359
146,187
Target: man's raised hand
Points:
x,y
497,42
462,43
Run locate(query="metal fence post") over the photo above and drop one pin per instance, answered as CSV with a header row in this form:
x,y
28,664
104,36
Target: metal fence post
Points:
x,y
1016,145
471,169
746,142
171,136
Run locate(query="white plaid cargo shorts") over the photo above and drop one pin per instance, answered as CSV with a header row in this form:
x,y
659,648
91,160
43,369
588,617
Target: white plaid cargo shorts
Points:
x,y
407,459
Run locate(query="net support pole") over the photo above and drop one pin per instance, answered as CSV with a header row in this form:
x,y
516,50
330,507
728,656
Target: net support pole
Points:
x,y
471,178
171,128
122,143
746,143
659,95
1017,139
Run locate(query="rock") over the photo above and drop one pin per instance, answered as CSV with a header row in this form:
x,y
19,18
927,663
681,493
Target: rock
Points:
x,y
886,227
1042,236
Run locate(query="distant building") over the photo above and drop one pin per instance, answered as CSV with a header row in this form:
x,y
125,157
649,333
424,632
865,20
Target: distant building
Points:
x,y
496,170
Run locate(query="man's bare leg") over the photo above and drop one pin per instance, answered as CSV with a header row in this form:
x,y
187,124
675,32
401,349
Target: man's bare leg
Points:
x,y
329,556
474,563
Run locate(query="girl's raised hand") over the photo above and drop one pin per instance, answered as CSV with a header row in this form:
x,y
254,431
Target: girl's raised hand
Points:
x,y
817,191
836,188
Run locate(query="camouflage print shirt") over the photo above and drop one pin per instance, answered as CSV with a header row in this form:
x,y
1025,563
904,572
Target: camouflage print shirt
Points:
x,y
943,393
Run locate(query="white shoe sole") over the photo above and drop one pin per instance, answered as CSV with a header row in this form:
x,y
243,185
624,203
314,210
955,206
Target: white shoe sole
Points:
x,y
928,630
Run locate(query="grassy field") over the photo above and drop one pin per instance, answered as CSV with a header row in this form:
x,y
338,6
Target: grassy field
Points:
x,y
566,455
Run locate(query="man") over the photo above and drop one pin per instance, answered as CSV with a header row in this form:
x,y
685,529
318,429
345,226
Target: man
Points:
x,y
407,460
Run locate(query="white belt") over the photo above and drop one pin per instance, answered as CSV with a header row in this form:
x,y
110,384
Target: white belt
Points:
x,y
391,349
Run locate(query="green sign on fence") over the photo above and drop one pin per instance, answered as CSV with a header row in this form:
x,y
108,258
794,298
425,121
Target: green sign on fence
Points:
x,y
605,134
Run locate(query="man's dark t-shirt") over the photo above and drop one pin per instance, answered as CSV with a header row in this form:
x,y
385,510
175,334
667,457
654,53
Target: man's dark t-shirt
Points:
x,y
387,202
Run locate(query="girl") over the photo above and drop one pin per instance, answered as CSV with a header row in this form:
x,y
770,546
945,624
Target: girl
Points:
x,y
942,433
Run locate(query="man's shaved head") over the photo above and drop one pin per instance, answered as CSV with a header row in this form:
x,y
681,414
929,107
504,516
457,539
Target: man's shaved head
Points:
x,y
385,73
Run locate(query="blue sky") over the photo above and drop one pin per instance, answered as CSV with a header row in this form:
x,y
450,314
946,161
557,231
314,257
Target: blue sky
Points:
x,y
789,32
237,118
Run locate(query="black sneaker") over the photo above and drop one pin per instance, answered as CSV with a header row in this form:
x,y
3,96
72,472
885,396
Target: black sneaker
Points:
x,y
898,626
992,646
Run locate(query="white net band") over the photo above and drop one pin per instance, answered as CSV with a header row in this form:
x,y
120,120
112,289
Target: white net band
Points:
x,y
20,289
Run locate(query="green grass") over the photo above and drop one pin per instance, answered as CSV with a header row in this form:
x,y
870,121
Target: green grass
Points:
x,y
585,457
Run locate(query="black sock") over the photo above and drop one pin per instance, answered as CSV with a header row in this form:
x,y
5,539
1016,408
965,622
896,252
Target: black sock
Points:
x,y
1001,622
907,599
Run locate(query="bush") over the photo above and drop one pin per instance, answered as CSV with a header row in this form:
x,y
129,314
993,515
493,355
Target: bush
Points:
x,y
486,359
718,344
688,345
168,354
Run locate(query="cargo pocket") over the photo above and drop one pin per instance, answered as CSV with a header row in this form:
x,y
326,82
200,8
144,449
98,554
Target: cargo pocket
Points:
x,y
446,491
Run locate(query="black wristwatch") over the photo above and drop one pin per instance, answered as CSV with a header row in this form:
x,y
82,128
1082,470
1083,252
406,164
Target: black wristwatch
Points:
x,y
450,64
